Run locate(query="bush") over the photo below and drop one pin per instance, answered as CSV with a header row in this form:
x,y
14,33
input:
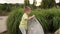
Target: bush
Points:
x,y
49,19
48,3
13,22
6,8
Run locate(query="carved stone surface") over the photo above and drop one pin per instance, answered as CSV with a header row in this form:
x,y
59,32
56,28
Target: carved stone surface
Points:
x,y
34,27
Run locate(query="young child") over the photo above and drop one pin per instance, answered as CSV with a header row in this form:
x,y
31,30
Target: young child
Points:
x,y
25,18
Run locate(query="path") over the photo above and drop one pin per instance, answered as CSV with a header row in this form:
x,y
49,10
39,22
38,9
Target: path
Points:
x,y
3,23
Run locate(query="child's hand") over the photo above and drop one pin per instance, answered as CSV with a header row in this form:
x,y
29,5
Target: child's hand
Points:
x,y
32,16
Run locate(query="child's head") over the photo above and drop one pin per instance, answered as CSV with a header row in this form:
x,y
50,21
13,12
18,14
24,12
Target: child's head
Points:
x,y
27,10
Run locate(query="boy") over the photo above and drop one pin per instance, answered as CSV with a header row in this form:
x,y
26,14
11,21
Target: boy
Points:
x,y
25,18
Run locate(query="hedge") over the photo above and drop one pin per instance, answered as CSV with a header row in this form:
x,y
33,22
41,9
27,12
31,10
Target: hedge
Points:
x,y
13,22
48,18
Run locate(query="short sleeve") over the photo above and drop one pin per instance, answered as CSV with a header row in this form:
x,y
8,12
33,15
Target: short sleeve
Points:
x,y
25,16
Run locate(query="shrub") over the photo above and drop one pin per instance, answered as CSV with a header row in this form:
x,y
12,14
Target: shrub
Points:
x,y
13,22
48,3
49,19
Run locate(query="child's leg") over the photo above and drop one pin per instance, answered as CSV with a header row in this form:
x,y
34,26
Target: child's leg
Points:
x,y
23,30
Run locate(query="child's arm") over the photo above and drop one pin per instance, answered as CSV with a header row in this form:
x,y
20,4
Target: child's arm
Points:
x,y
29,18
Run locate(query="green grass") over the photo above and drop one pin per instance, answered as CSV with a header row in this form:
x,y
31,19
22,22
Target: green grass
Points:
x,y
49,19
13,22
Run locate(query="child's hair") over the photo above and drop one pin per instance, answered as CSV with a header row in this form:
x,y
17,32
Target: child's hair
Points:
x,y
27,8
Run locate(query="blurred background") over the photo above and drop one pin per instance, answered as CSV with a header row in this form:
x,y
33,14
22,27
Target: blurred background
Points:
x,y
8,5
47,12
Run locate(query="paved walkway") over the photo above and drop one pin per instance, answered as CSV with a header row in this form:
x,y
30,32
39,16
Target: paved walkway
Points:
x,y
3,23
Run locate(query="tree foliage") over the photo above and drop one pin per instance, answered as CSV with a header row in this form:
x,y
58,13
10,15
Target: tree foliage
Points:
x,y
48,3
27,3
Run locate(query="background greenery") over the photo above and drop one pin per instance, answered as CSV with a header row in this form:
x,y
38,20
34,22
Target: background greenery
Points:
x,y
49,19
48,3
13,22
48,16
6,8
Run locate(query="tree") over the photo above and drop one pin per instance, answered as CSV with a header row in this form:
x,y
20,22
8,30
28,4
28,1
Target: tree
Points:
x,y
34,3
48,3
26,2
